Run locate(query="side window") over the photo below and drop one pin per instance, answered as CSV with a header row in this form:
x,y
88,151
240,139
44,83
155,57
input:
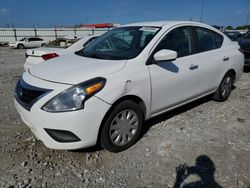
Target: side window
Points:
x,y
35,39
38,39
179,40
30,39
208,40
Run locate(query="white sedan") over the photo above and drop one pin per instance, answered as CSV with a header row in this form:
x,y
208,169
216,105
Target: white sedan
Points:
x,y
58,47
28,42
106,91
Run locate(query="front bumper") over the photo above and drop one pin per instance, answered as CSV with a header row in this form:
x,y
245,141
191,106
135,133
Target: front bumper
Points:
x,y
13,45
84,124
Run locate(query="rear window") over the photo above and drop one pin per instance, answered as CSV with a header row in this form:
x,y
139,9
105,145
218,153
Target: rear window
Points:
x,y
208,40
39,39
35,39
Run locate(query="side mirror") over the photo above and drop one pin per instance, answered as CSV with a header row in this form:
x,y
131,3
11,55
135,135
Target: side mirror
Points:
x,y
165,55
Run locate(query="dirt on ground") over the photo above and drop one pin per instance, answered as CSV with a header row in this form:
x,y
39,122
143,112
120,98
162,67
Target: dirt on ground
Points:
x,y
212,139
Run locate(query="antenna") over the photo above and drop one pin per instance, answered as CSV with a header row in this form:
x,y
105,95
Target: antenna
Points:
x,y
202,10
248,17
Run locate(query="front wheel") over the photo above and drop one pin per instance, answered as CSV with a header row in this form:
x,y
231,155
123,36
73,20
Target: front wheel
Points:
x,y
122,127
20,46
225,88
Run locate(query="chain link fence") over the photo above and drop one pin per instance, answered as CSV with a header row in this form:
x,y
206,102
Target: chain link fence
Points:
x,y
48,34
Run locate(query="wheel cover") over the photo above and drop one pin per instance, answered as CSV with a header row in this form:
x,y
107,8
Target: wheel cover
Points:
x,y
226,86
123,127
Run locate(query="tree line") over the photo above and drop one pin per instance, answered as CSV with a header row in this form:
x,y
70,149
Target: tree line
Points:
x,y
243,27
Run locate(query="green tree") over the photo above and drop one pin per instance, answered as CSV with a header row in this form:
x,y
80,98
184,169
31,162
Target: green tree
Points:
x,y
229,27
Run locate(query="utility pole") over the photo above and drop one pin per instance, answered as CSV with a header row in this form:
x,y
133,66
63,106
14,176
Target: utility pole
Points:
x,y
202,11
248,17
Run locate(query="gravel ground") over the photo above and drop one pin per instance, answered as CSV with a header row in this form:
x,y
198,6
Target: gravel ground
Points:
x,y
210,137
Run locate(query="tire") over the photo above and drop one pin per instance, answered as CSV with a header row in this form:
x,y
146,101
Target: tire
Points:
x,y
20,46
225,88
125,119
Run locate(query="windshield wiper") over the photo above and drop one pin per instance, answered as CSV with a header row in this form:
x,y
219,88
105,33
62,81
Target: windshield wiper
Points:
x,y
81,53
96,56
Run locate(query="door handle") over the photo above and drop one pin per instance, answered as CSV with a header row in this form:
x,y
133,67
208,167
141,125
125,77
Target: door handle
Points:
x,y
193,67
225,58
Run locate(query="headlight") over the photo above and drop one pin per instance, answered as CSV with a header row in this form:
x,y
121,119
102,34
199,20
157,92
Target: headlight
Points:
x,y
73,98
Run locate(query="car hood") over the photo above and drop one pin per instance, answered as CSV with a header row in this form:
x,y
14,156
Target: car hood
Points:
x,y
74,69
44,50
16,41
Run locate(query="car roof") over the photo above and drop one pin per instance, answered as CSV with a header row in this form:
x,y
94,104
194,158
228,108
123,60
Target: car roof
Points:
x,y
169,24
163,23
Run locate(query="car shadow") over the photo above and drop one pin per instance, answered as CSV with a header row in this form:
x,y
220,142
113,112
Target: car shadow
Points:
x,y
167,115
92,149
204,168
170,66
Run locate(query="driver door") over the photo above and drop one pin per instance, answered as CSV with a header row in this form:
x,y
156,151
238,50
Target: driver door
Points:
x,y
29,43
174,82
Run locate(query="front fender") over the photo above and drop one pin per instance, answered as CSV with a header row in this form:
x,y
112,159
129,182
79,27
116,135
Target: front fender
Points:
x,y
128,82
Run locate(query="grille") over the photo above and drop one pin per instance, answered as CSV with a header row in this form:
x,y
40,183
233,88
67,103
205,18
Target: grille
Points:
x,y
26,95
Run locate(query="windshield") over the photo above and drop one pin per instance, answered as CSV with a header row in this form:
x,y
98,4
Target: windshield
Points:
x,y
120,43
61,43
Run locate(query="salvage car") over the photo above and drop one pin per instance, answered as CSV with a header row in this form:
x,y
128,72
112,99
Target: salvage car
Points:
x,y
106,91
56,48
244,43
233,35
27,42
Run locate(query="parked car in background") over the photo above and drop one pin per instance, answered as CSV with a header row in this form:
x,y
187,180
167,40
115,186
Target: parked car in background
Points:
x,y
244,43
56,48
28,42
132,73
233,35
4,44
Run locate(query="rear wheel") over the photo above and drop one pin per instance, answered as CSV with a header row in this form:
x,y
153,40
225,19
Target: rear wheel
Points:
x,y
20,46
225,88
122,127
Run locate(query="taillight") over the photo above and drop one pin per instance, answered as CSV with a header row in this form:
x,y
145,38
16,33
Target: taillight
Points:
x,y
49,56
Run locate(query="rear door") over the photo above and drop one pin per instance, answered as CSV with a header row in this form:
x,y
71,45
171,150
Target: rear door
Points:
x,y
211,58
37,42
